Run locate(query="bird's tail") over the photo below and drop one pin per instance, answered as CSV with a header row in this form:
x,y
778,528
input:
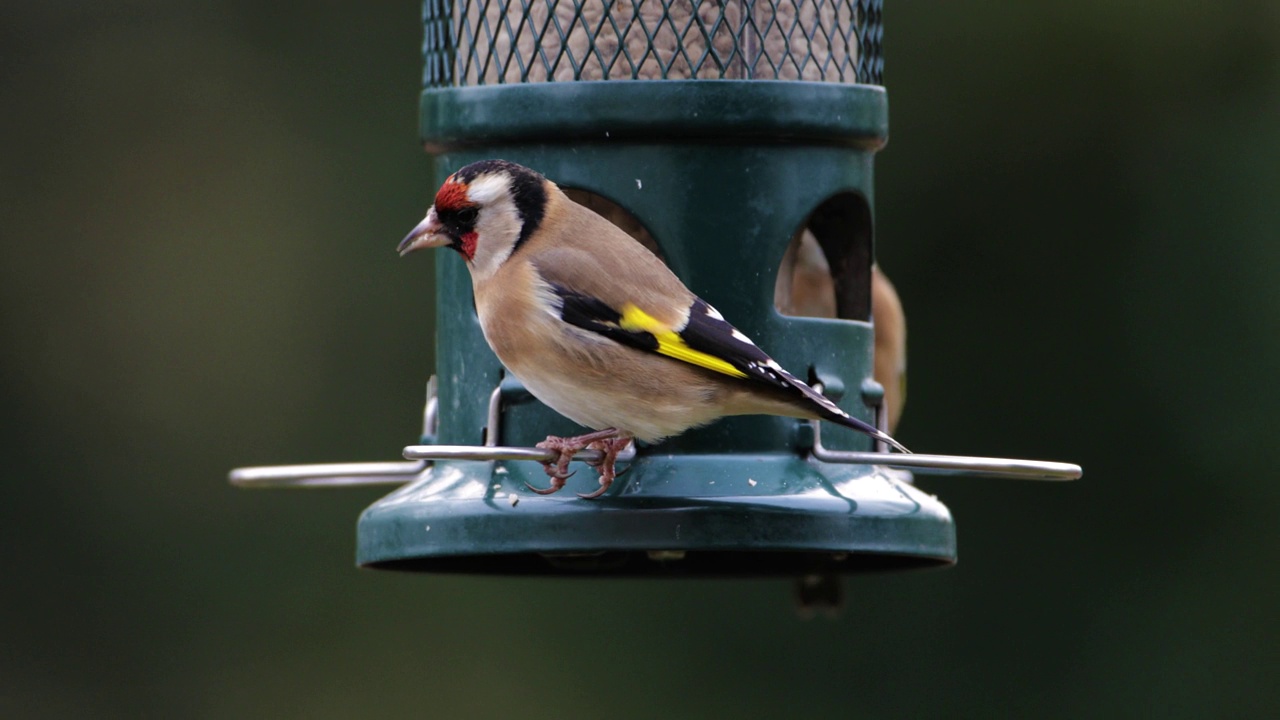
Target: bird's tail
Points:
x,y
852,422
828,410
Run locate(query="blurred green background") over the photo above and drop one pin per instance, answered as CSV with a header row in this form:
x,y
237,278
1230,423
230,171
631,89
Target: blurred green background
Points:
x,y
199,203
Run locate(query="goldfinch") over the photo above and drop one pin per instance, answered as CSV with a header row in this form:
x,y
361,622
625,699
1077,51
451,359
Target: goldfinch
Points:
x,y
596,326
805,288
891,344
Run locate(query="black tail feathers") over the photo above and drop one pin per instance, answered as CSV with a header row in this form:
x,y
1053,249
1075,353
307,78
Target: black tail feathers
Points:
x,y
856,424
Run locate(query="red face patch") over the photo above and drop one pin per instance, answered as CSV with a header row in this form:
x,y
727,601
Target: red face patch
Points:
x,y
452,196
468,248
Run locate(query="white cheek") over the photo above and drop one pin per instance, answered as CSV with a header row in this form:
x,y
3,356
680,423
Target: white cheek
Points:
x,y
497,229
486,189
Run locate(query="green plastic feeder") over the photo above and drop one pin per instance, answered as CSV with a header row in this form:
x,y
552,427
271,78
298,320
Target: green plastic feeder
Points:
x,y
722,134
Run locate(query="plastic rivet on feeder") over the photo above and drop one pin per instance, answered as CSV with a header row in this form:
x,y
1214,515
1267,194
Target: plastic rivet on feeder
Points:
x,y
734,138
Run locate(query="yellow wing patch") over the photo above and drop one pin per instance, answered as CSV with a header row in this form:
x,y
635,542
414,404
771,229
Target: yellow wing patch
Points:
x,y
671,344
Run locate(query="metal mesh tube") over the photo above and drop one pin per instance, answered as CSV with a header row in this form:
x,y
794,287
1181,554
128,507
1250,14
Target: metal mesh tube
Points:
x,y
486,42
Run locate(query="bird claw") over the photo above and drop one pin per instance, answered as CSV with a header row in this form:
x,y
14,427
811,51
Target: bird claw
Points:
x,y
609,449
557,469
557,474
606,441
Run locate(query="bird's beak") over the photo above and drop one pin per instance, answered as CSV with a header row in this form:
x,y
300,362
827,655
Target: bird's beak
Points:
x,y
428,233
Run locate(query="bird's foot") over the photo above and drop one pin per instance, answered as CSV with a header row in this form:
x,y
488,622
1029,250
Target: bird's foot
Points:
x,y
565,448
557,469
609,450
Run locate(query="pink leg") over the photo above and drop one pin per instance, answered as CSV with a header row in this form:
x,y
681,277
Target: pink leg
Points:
x,y
610,448
566,448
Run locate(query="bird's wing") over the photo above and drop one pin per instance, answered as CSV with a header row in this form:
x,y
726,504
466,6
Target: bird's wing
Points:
x,y
661,316
705,339
632,298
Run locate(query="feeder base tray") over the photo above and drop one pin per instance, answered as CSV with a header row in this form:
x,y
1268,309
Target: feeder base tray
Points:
x,y
700,516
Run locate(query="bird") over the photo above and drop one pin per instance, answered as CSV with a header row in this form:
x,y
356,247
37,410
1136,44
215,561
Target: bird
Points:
x,y
890,324
596,326
806,288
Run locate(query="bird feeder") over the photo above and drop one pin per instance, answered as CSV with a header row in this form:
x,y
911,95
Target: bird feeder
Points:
x,y
715,131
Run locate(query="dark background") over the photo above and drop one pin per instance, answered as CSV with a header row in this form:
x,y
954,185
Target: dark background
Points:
x,y
199,203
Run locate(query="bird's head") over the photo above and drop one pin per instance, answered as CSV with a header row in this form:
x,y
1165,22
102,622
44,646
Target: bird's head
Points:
x,y
483,211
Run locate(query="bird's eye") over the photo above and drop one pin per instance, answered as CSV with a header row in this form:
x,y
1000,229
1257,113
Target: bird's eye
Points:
x,y
467,216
